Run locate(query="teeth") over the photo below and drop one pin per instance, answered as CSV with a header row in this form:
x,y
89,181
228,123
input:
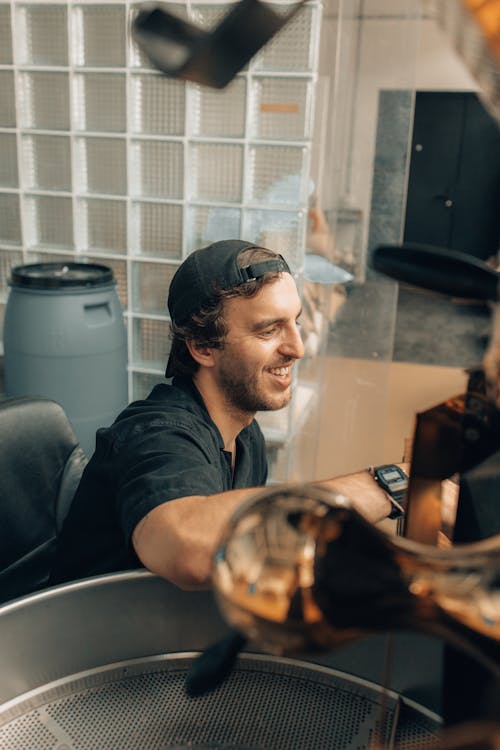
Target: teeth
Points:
x,y
280,371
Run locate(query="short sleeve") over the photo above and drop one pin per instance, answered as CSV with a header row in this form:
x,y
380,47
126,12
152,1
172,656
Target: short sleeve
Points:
x,y
163,462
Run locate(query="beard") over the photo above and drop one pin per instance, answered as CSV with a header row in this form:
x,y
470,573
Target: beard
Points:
x,y
243,391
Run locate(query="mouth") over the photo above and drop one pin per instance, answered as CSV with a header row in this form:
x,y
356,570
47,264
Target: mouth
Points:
x,y
279,371
281,375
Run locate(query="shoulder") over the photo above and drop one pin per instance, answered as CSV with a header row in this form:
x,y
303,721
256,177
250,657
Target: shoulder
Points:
x,y
168,409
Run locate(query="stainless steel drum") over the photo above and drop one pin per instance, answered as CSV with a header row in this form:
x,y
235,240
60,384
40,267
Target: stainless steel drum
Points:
x,y
102,664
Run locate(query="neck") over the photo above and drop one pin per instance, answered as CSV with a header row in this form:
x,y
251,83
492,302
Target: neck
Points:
x,y
229,420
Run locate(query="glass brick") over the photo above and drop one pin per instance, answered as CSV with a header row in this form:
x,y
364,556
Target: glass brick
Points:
x,y
47,162
43,34
119,268
5,36
45,100
157,169
100,35
7,100
151,343
102,166
212,223
209,16
219,112
100,102
102,225
157,229
294,48
281,231
216,172
49,221
47,257
277,175
157,105
150,284
8,160
138,59
8,261
10,219
143,384
281,108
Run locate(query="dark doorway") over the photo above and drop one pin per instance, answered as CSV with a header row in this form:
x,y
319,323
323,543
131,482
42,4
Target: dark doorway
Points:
x,y
454,182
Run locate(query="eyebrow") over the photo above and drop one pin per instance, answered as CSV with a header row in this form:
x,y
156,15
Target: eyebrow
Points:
x,y
261,325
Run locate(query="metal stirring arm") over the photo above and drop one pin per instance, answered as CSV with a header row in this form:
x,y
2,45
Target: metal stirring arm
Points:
x,y
300,569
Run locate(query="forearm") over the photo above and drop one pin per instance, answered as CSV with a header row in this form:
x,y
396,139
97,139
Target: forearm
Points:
x,y
364,493
177,539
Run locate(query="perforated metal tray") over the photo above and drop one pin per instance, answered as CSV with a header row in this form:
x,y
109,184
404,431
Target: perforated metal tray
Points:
x,y
268,702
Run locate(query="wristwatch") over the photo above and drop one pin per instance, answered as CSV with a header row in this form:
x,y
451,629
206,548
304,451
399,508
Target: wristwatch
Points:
x,y
394,482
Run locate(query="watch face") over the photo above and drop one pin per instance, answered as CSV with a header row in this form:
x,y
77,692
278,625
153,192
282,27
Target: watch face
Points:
x,y
390,475
391,478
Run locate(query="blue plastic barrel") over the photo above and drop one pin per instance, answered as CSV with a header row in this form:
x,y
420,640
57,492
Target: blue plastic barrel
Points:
x,y
65,339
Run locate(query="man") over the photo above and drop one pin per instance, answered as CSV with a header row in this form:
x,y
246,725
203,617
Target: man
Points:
x,y
168,474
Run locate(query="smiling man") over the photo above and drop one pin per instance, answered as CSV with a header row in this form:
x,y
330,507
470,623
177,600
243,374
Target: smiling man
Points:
x,y
168,474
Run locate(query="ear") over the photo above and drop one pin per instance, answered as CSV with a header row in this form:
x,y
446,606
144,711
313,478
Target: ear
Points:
x,y
201,353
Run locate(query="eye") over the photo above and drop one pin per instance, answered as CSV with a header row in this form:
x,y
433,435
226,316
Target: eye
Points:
x,y
268,332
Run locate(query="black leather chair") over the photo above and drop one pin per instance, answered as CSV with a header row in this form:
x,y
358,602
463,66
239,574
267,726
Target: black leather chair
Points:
x,y
41,464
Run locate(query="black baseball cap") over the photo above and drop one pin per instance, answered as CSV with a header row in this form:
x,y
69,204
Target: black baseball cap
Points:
x,y
210,270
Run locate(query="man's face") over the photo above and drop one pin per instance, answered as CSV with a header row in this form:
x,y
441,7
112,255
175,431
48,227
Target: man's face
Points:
x,y
254,369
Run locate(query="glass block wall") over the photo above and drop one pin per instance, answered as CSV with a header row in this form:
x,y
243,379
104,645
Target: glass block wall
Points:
x,y
104,159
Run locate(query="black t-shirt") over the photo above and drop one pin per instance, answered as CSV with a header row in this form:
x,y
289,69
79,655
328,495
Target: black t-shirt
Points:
x,y
159,449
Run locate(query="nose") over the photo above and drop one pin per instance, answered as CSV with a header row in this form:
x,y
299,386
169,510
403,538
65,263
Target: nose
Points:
x,y
292,345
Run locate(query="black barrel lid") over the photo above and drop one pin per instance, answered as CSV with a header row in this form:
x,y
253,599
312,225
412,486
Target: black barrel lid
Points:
x,y
61,275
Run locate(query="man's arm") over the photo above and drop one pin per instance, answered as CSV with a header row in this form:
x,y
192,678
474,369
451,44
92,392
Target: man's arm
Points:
x,y
177,539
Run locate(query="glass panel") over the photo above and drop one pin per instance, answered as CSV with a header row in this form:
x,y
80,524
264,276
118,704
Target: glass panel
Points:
x,y
10,220
295,46
49,222
47,162
5,35
100,35
42,256
7,100
157,229
151,343
44,100
278,175
157,105
8,260
150,283
102,165
100,102
137,57
119,268
216,171
210,223
281,108
219,113
143,383
157,169
282,231
102,225
209,16
8,160
43,34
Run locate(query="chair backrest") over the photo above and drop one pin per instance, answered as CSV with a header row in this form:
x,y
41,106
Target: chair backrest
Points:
x,y
41,464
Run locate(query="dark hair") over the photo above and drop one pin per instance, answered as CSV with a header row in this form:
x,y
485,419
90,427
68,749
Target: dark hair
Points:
x,y
208,327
